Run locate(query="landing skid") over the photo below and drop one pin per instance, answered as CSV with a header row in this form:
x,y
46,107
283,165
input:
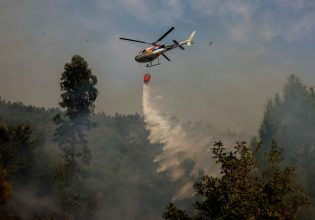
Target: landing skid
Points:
x,y
150,65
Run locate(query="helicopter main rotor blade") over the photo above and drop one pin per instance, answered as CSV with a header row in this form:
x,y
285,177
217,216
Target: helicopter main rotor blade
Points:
x,y
164,35
165,57
138,41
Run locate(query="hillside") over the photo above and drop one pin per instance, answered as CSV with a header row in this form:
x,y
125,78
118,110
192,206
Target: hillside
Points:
x,y
122,172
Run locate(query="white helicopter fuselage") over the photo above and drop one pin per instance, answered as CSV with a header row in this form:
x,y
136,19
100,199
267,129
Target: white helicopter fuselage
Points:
x,y
151,53
148,55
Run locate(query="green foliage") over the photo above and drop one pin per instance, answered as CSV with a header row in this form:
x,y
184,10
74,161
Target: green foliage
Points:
x,y
285,197
5,187
122,182
17,152
13,113
69,188
243,191
78,96
172,213
231,196
123,168
289,118
17,145
78,87
121,176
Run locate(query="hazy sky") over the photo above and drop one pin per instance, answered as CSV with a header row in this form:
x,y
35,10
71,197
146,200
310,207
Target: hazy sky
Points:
x,y
256,45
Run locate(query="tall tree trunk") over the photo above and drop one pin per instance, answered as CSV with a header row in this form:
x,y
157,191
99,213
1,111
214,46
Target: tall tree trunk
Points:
x,y
69,214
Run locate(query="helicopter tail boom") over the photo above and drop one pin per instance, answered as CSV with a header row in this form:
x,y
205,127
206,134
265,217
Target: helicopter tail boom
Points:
x,y
189,40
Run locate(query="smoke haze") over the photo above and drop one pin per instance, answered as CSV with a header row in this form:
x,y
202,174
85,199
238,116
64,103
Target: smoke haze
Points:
x,y
181,143
247,63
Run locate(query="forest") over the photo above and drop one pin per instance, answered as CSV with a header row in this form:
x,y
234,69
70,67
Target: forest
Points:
x,y
70,163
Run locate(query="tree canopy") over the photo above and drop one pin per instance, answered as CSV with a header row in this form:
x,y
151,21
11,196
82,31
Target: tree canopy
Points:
x,y
289,118
78,96
246,190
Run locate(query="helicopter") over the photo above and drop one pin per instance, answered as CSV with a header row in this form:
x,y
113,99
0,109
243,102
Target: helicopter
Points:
x,y
151,53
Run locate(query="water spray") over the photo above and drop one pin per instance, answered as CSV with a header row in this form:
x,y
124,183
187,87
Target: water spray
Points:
x,y
179,144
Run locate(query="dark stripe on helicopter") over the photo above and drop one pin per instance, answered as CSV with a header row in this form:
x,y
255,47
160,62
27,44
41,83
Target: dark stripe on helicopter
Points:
x,y
144,58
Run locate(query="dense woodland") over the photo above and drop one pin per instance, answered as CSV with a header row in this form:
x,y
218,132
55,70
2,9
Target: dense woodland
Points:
x,y
122,171
120,179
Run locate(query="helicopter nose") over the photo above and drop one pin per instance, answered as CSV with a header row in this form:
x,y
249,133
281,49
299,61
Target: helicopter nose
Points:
x,y
137,58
